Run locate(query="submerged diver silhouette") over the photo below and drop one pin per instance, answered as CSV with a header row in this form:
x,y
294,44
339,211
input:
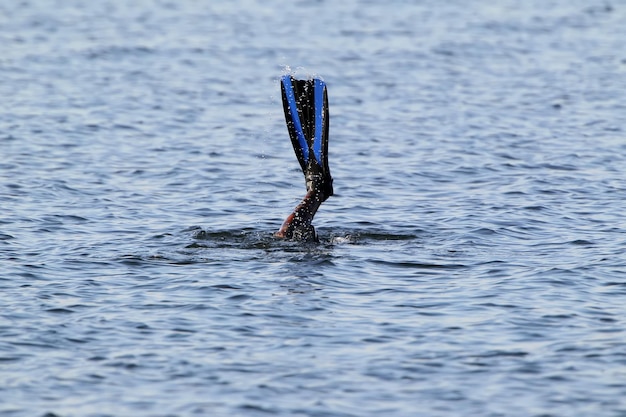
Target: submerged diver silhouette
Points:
x,y
306,111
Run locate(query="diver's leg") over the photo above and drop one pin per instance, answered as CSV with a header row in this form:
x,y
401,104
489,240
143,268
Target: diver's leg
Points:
x,y
298,224
305,103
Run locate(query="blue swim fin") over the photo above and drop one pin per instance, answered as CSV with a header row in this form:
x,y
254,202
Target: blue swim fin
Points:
x,y
306,112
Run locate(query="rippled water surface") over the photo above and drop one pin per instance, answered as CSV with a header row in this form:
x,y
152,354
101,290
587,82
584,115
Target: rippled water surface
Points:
x,y
473,259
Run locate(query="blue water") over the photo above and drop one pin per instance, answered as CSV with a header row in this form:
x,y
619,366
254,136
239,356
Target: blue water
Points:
x,y
472,261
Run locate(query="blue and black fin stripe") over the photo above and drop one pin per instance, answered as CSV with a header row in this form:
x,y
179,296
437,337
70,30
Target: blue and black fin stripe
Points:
x,y
306,111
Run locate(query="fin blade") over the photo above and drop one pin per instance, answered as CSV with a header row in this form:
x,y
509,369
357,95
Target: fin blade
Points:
x,y
320,143
321,107
294,122
306,111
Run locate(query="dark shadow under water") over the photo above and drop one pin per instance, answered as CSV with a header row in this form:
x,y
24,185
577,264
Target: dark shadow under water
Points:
x,y
250,238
